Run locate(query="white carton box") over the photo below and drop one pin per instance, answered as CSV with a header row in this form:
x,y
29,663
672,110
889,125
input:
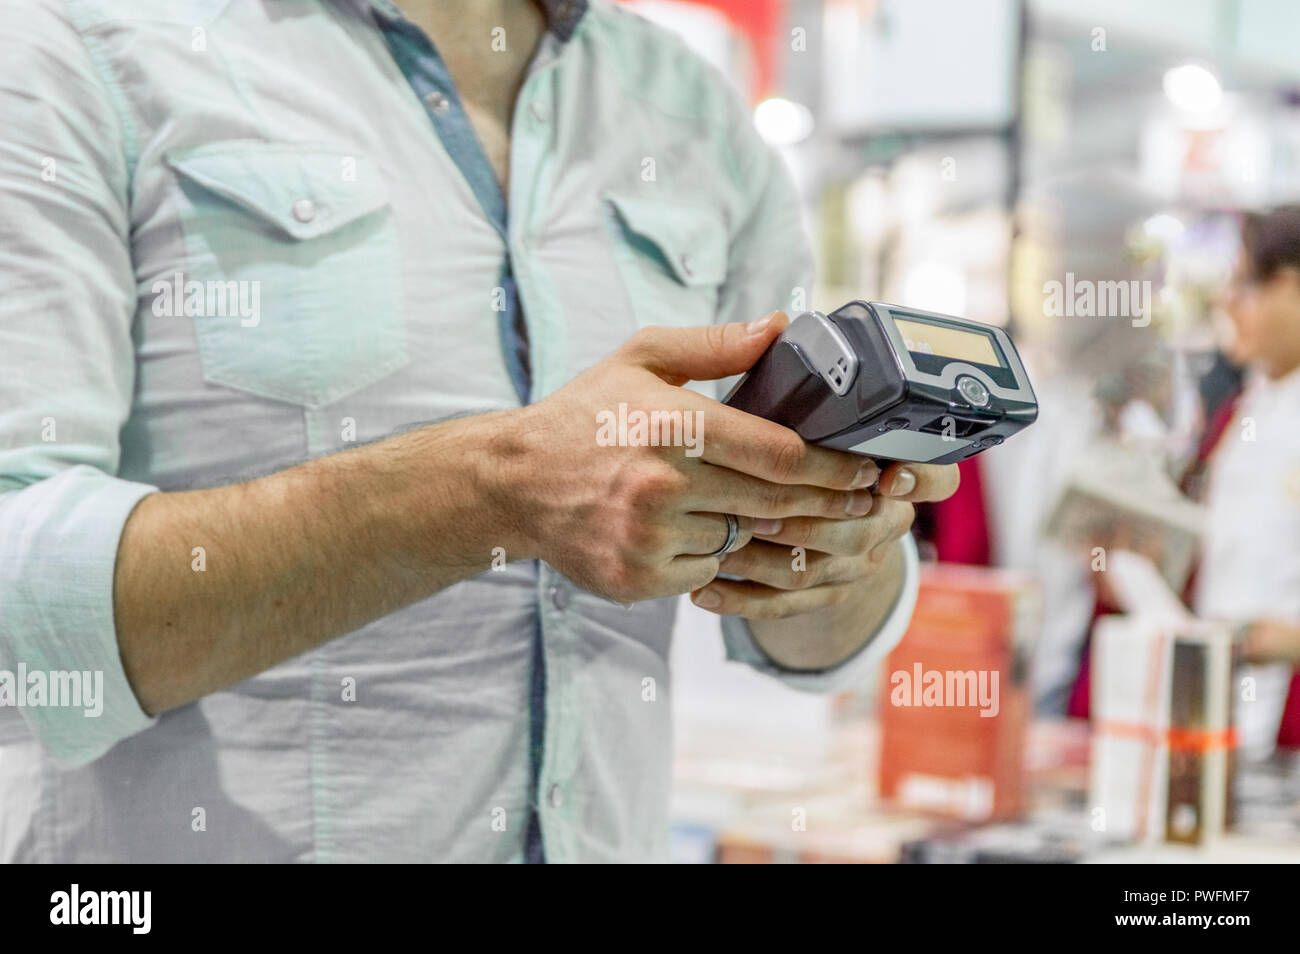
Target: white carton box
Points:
x,y
1163,741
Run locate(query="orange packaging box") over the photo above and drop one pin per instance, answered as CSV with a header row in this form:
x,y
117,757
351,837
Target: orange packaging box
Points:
x,y
954,704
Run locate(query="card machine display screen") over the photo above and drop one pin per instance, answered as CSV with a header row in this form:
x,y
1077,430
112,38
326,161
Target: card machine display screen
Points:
x,y
925,338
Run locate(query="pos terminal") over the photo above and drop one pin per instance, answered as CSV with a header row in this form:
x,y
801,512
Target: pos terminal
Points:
x,y
891,383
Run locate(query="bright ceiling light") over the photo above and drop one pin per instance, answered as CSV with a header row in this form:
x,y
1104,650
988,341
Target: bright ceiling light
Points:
x,y
782,122
1193,88
1163,227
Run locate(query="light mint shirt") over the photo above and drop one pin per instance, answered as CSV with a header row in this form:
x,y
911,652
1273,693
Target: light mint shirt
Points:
x,y
277,145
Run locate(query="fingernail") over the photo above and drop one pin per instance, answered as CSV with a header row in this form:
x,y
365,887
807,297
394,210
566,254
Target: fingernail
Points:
x,y
758,324
708,599
867,475
859,504
904,483
767,527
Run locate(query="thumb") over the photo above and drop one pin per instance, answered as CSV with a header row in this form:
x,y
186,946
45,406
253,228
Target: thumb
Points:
x,y
707,352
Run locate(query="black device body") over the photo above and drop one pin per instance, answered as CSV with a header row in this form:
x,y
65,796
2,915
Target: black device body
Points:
x,y
854,380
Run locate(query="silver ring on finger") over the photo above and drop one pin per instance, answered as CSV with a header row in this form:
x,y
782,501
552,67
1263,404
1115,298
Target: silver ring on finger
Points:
x,y
733,534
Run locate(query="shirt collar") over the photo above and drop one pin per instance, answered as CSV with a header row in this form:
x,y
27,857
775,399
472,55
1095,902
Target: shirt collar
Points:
x,y
562,16
1263,385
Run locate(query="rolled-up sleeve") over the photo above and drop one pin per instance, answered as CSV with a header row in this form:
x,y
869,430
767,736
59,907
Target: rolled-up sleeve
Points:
x,y
66,373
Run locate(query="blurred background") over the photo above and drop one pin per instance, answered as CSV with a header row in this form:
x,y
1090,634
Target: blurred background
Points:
x,y
996,159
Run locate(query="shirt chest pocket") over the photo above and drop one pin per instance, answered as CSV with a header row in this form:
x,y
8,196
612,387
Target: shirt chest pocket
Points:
x,y
672,257
292,252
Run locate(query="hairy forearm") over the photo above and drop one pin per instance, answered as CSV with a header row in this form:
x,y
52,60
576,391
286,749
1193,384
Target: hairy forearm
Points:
x,y
300,557
828,636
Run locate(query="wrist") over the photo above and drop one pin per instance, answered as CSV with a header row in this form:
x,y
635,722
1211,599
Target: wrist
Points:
x,y
502,457
440,496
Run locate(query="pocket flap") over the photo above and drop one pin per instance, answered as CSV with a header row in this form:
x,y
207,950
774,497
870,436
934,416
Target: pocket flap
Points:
x,y
303,190
691,240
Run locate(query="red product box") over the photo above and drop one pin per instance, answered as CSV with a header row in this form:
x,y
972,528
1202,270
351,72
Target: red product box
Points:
x,y
954,704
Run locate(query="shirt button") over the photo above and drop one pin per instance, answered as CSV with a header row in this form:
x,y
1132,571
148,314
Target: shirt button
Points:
x,y
304,210
686,265
538,111
555,796
437,101
560,597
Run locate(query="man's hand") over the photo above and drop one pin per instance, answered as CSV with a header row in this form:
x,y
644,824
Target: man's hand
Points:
x,y
636,522
810,563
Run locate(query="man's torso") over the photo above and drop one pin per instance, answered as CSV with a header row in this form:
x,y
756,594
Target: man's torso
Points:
x,y
276,155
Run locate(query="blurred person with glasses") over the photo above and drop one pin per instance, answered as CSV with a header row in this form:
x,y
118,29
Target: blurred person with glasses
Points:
x,y
1250,570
